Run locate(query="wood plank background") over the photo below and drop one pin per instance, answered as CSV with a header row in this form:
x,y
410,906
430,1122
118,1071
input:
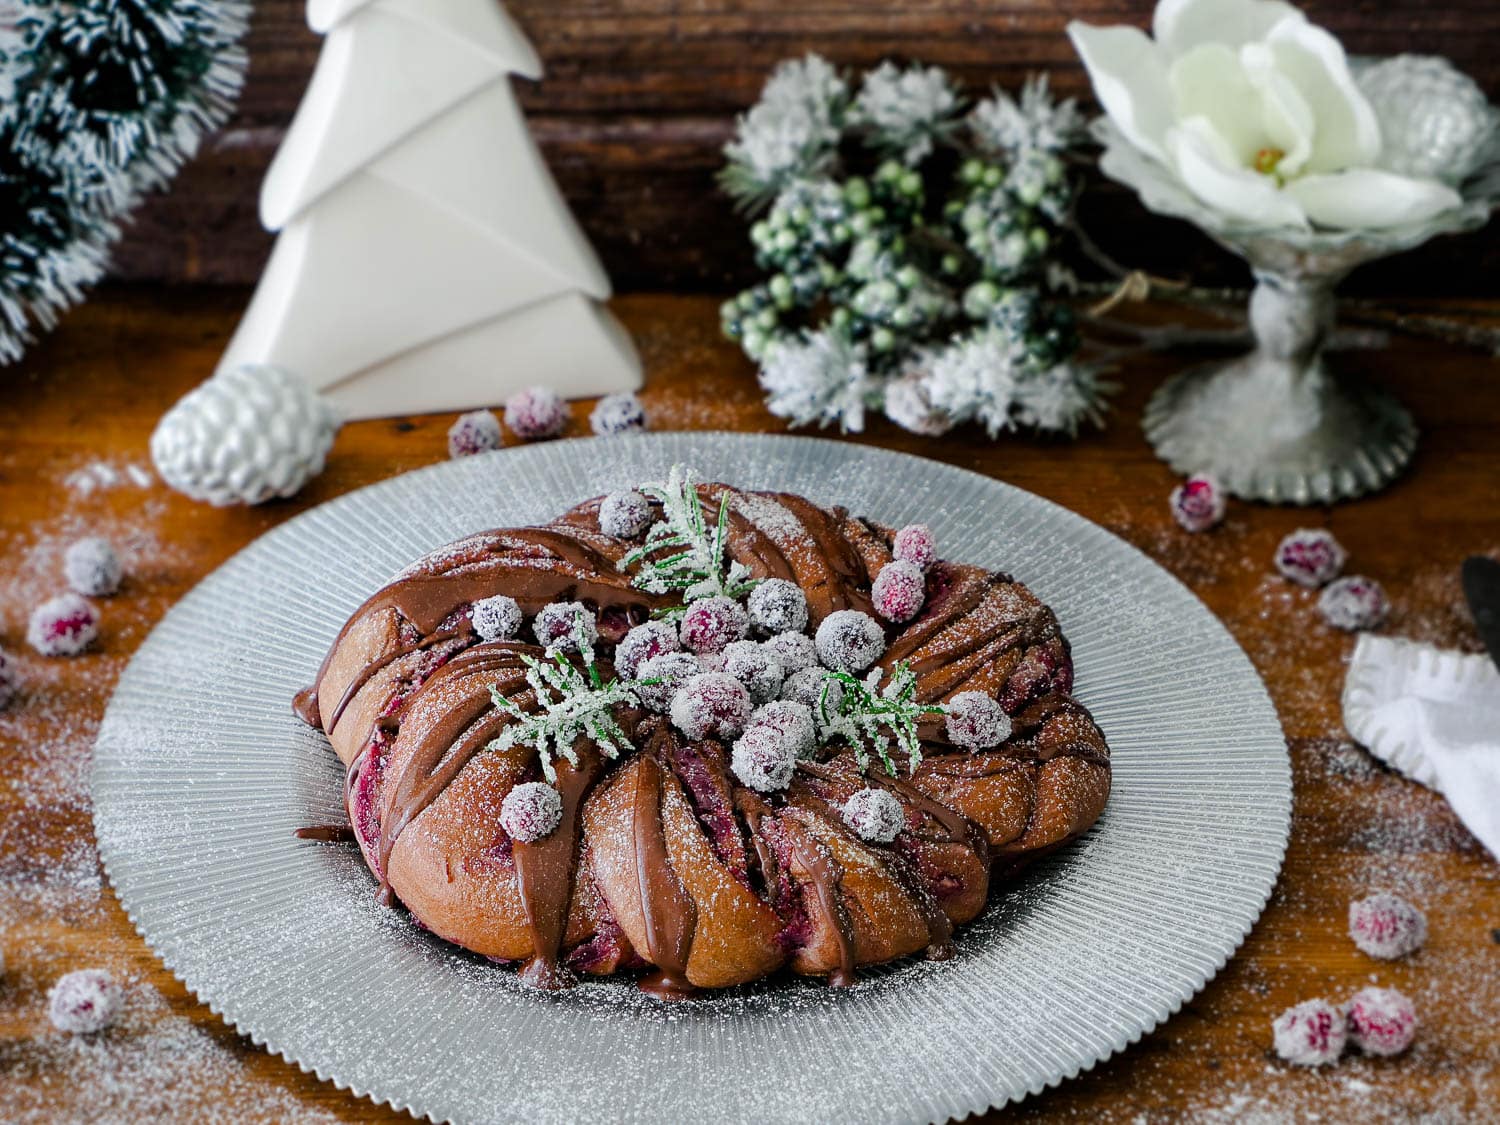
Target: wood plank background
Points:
x,y
641,94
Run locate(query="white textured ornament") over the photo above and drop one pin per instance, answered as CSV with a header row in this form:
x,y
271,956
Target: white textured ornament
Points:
x,y
248,435
1434,120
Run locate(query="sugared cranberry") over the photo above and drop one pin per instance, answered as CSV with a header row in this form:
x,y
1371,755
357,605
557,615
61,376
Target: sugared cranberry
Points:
x,y
710,624
756,667
1310,1034
815,689
778,606
92,568
8,686
711,705
764,759
624,515
475,432
1354,603
1381,1021
1387,926
559,625
531,811
915,544
849,641
976,721
496,619
1311,557
63,626
875,815
1198,503
796,651
899,591
536,413
652,638
659,678
618,414
85,1001
791,720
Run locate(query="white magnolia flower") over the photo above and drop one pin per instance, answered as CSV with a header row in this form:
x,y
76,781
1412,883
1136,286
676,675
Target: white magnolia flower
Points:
x,y
1255,110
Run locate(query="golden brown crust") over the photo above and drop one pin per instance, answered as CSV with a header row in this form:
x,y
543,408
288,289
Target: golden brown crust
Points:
x,y
673,858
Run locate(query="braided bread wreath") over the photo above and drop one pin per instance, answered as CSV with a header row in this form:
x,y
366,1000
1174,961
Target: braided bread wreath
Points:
x,y
687,844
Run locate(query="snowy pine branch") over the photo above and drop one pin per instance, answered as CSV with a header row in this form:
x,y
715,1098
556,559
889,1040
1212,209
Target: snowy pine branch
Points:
x,y
681,552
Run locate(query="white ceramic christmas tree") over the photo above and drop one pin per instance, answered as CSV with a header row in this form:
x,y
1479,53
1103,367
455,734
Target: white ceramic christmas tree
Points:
x,y
426,260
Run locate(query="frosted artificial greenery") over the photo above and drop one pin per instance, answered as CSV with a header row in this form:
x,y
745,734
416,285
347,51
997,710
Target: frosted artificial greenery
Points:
x,y
870,716
909,243
681,552
100,101
570,703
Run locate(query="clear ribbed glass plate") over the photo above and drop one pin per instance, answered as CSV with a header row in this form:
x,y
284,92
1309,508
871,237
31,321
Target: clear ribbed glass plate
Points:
x,y
201,773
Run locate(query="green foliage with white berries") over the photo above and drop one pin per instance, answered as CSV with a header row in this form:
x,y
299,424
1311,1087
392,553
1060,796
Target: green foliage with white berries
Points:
x,y
898,227
872,717
681,552
570,703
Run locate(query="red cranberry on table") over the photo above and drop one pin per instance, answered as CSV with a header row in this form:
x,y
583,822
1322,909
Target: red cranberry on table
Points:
x,y
1198,503
475,432
1386,926
1310,1034
536,413
1381,1021
1311,557
63,626
85,1002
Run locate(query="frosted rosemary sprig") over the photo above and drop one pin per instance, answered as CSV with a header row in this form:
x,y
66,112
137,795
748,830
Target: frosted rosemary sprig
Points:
x,y
696,562
871,717
572,703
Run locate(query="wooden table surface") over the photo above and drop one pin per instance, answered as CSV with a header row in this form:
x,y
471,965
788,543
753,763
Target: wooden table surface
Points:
x,y
75,419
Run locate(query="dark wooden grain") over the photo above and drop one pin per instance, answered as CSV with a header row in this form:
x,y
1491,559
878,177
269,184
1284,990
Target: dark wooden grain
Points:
x,y
96,388
641,94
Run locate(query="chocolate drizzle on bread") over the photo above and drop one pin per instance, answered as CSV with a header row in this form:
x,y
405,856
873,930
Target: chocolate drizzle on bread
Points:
x,y
662,860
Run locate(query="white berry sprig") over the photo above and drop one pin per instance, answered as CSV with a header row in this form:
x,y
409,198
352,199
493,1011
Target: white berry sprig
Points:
x,y
572,703
695,562
870,716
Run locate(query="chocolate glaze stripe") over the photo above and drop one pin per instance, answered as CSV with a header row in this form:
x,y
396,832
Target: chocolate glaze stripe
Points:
x,y
375,667
667,909
826,875
547,871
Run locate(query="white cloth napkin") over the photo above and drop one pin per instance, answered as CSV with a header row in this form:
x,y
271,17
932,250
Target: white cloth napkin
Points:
x,y
1435,716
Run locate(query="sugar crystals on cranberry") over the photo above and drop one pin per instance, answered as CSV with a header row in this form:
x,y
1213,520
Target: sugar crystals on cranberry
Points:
x,y
916,545
557,626
1354,603
795,651
1198,503
1381,1021
85,1001
792,720
536,413
875,815
899,591
625,514
778,606
756,667
658,678
764,758
1387,926
531,812
618,414
711,623
92,568
63,626
976,721
1310,1034
652,638
496,619
849,641
475,432
1311,557
813,687
711,705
